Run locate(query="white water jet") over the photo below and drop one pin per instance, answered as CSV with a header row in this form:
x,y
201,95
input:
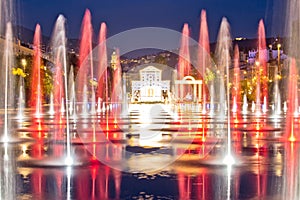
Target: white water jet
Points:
x,y
245,104
125,100
9,82
253,106
99,105
211,106
21,100
224,45
277,98
285,107
60,56
62,106
93,103
51,105
84,106
264,106
72,102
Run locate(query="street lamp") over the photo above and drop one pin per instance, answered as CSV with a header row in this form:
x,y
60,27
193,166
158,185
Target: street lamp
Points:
x,y
24,63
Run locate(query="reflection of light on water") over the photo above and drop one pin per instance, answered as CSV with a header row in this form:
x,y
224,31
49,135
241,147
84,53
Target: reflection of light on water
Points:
x,y
278,169
153,141
69,173
149,123
69,161
5,151
24,149
25,172
5,139
229,160
147,163
229,168
145,117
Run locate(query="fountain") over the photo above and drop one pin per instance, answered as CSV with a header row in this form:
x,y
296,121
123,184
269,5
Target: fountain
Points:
x,y
236,82
291,104
184,64
102,94
224,61
203,56
36,95
8,83
72,96
85,58
245,105
21,100
61,81
261,65
97,131
117,90
291,129
277,97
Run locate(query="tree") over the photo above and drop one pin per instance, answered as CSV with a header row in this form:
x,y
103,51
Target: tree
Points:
x,y
23,69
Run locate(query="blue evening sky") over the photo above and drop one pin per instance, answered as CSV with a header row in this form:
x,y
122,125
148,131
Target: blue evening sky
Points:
x,y
121,15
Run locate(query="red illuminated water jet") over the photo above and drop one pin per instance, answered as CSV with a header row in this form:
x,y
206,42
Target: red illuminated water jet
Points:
x,y
102,64
36,96
85,54
291,134
86,37
203,54
184,65
262,66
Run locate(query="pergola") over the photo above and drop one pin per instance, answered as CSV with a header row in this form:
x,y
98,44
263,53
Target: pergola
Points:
x,y
188,81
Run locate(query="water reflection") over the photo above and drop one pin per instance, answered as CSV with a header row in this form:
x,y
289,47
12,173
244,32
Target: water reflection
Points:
x,y
183,163
7,172
273,178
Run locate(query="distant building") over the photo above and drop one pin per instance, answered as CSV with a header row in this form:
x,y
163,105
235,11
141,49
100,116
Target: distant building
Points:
x,y
19,49
150,87
271,54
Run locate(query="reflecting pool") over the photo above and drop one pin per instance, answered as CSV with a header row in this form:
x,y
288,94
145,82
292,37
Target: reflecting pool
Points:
x,y
156,151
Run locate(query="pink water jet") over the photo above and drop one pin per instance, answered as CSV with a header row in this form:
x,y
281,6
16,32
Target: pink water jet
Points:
x,y
35,101
184,65
102,65
85,57
116,86
235,91
203,54
262,66
86,37
291,133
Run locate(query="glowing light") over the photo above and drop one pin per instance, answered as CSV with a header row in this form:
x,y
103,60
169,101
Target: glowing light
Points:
x,y
292,138
115,135
253,106
24,149
5,139
257,135
69,161
40,127
278,45
229,160
240,38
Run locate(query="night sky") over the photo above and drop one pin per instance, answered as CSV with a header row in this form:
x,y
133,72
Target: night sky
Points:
x,y
121,15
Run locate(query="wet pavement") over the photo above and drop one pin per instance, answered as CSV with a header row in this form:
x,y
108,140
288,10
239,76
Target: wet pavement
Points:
x,y
153,152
